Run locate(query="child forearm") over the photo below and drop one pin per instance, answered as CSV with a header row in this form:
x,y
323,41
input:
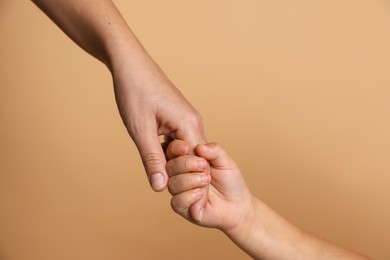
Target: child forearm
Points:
x,y
264,234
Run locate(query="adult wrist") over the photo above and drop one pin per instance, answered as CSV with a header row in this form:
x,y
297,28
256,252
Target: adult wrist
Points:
x,y
124,52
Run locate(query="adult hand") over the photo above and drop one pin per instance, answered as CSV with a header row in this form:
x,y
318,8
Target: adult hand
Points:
x,y
148,102
151,106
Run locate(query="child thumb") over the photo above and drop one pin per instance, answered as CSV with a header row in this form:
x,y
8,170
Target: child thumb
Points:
x,y
215,154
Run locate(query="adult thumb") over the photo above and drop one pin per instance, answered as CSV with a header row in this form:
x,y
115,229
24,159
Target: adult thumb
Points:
x,y
153,159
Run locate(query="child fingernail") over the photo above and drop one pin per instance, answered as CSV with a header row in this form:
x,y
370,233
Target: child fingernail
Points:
x,y
182,149
201,214
201,164
206,148
198,194
205,179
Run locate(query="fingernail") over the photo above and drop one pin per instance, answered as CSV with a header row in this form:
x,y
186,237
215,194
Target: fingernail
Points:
x,y
157,181
201,164
205,179
183,149
198,193
201,214
205,148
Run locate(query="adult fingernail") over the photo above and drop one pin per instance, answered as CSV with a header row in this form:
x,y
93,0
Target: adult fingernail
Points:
x,y
157,181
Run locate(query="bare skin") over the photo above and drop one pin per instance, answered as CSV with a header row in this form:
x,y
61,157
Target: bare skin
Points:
x,y
148,102
231,208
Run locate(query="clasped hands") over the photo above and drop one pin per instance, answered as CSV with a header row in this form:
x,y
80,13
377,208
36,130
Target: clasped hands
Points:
x,y
207,187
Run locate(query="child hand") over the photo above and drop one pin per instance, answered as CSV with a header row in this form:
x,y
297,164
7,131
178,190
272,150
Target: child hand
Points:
x,y
228,200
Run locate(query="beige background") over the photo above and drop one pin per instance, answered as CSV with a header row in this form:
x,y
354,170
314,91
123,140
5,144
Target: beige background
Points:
x,y
297,91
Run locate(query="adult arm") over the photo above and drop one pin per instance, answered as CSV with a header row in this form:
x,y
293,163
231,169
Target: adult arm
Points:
x,y
149,104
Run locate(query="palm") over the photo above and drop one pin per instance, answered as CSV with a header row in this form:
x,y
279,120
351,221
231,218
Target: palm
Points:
x,y
227,193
